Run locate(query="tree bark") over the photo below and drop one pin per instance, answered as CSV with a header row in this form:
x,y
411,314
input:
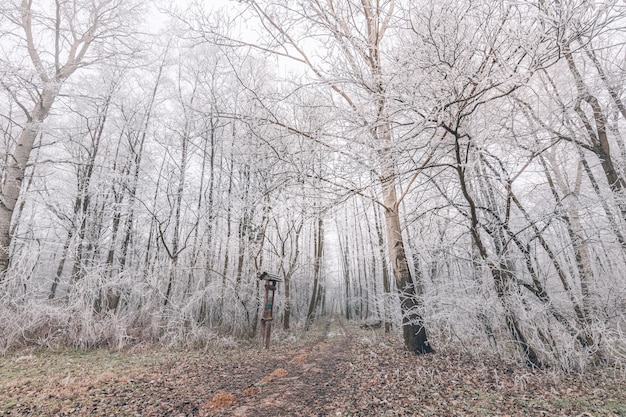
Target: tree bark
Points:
x,y
414,332
385,271
317,267
15,170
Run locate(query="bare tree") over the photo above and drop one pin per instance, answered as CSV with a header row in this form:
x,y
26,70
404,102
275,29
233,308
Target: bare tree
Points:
x,y
78,34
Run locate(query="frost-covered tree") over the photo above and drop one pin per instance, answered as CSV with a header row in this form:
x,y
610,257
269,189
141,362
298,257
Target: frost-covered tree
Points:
x,y
44,44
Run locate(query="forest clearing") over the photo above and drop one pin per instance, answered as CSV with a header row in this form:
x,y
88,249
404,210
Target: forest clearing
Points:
x,y
332,371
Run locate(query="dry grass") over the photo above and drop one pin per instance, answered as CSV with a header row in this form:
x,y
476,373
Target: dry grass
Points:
x,y
371,375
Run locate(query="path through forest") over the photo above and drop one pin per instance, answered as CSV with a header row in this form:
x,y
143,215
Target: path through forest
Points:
x,y
335,370
306,383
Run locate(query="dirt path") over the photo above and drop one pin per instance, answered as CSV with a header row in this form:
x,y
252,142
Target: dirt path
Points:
x,y
329,371
305,384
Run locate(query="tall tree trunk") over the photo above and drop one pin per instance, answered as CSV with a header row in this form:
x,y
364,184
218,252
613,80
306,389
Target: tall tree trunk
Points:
x,y
293,236
257,254
318,252
372,271
345,272
244,227
363,270
414,332
16,169
174,252
415,336
385,270
225,264
209,244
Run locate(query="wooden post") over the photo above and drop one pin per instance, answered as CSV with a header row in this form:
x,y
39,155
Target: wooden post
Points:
x,y
268,308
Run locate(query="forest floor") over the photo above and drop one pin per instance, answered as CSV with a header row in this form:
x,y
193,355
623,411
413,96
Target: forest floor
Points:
x,y
332,371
